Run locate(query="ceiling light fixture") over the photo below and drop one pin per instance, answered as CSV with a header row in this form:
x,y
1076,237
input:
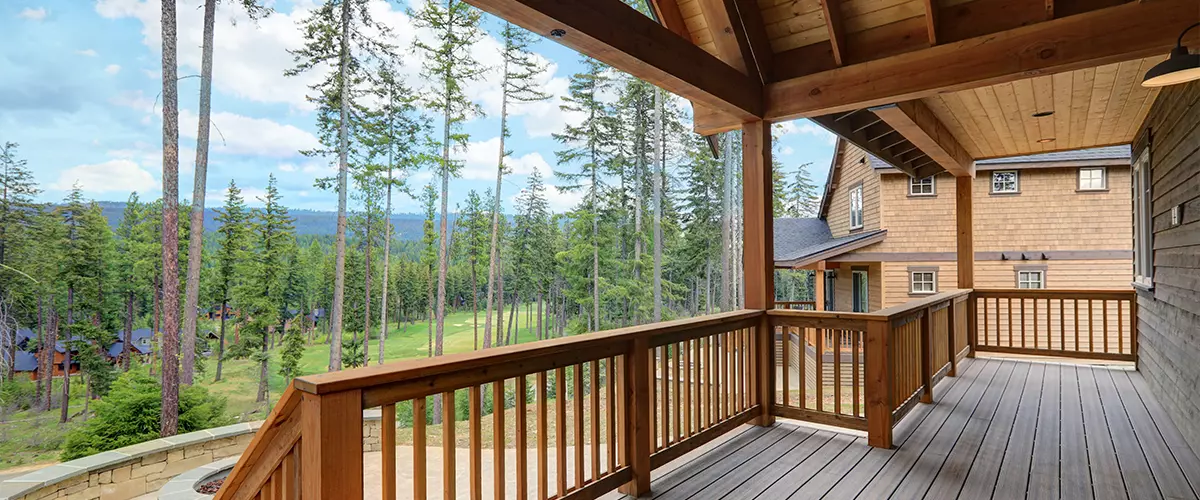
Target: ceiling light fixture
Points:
x,y
558,33
1042,114
1180,67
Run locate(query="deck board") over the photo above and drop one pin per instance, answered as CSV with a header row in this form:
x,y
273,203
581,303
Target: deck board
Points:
x,y
1002,429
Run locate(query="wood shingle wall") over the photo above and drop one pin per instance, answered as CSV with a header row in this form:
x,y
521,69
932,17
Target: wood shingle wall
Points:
x,y
1169,316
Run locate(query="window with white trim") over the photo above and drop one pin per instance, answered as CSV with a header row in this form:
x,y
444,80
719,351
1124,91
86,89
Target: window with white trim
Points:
x,y
1093,179
923,281
1143,222
921,187
856,207
1005,181
1031,279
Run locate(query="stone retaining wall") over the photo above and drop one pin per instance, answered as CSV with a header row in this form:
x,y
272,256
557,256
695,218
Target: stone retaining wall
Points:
x,y
132,471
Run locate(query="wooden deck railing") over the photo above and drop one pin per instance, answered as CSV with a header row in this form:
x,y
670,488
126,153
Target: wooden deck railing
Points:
x,y
797,305
1097,324
607,408
581,416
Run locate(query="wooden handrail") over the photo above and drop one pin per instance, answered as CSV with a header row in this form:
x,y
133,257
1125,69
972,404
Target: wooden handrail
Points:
x,y
909,307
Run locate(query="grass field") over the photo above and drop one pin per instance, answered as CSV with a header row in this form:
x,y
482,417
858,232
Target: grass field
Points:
x,y
35,437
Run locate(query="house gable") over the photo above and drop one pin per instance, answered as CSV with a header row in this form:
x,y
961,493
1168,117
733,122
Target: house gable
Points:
x,y
850,168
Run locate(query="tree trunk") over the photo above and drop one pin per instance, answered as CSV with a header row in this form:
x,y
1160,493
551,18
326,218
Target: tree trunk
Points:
x,y
196,229
339,274
366,354
540,334
500,305
387,260
170,223
443,244
127,339
157,306
221,341
66,389
510,339
656,201
494,261
41,355
48,358
263,389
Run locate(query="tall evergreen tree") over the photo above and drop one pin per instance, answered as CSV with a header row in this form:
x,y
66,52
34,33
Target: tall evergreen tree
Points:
x,y
231,236
169,421
17,192
474,228
449,64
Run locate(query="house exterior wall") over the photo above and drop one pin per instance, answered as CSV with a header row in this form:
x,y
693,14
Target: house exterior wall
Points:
x,y
1169,315
843,288
853,170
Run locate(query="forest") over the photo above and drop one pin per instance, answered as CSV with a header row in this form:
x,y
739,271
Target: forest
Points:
x,y
655,233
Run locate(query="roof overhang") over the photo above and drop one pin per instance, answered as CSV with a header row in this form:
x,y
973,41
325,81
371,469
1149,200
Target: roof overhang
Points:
x,y
852,244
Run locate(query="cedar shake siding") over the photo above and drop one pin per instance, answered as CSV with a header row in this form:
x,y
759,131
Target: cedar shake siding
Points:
x,y
1169,315
854,169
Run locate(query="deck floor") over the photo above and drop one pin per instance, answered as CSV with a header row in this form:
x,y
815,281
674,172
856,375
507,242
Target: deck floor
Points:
x,y
1003,429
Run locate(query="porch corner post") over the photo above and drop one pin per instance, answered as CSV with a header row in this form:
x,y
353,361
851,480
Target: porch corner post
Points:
x,y
819,287
965,215
636,389
879,384
758,258
331,445
927,354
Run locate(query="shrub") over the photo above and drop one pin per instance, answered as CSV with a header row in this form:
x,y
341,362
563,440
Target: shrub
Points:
x,y
130,413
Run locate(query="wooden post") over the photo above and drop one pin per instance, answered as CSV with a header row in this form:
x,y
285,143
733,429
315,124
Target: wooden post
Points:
x,y
819,287
332,445
952,329
927,354
636,388
758,256
387,445
965,214
878,384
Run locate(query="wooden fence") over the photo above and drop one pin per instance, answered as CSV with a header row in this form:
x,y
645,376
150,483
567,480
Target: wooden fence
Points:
x,y
1092,324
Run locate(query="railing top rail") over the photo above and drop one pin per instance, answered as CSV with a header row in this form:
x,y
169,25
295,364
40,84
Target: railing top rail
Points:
x,y
795,313
426,368
906,308
1055,294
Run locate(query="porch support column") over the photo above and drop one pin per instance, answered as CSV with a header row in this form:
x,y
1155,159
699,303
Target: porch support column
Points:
x,y
819,287
758,257
964,212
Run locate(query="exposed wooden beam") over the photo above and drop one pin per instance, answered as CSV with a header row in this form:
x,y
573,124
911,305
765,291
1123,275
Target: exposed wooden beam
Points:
x,y
859,138
668,14
1094,38
616,34
837,31
1049,9
756,39
917,123
727,34
931,20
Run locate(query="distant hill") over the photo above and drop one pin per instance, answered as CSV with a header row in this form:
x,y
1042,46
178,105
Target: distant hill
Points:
x,y
409,226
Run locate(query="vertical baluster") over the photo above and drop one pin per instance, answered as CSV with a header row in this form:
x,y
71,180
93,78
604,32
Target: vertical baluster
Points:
x,y
855,339
785,354
653,384
475,437
738,371
521,440
1075,309
1035,323
713,379
578,435
820,369
1120,327
676,400
1062,324
594,397
801,362
560,430
448,448
985,321
665,396
542,441
1104,322
697,385
498,431
687,387
1021,306
1010,323
610,405
387,445
706,391
1091,329
726,376
837,372
748,355
419,490
291,478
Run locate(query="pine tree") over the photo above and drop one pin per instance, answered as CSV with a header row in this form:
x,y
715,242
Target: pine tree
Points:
x,y
801,194
17,192
170,223
520,75
196,230
336,37
261,296
588,144
531,243
293,350
77,273
232,235
429,239
448,63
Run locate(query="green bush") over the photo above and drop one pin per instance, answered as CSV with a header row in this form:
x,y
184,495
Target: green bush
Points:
x,y
17,394
129,414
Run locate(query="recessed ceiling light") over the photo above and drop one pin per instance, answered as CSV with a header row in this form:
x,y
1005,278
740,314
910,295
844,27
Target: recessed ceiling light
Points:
x,y
558,33
1041,114
1043,141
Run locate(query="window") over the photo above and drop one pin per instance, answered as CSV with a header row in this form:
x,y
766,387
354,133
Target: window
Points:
x,y
1093,179
1143,222
921,187
856,207
923,281
1005,181
830,280
1031,279
860,282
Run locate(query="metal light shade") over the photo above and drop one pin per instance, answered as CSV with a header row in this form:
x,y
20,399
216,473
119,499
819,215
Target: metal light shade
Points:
x,y
1180,67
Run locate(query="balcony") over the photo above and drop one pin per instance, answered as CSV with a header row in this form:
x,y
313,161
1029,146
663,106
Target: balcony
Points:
x,y
876,404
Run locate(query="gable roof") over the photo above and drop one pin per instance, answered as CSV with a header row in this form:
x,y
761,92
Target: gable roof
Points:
x,y
25,362
800,242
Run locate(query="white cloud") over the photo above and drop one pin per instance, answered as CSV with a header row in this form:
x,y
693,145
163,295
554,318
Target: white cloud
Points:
x,y
287,167
479,161
805,127
87,52
134,100
236,134
112,69
786,150
119,175
32,14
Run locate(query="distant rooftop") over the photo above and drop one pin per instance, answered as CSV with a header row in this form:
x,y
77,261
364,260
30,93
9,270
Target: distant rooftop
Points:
x,y
798,241
1106,153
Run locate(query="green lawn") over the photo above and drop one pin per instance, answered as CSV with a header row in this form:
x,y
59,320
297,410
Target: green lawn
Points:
x,y
35,437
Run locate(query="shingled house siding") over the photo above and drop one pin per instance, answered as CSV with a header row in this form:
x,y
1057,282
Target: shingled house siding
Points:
x,y
1169,317
854,170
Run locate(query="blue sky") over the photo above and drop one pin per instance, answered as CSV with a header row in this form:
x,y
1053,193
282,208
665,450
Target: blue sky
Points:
x,y
80,81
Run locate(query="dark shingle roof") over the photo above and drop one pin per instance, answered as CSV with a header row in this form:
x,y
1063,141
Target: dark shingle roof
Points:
x,y
877,162
26,361
797,239
1105,153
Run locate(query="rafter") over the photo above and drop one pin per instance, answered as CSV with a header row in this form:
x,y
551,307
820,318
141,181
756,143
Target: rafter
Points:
x,y
846,130
917,123
727,34
667,13
756,39
837,31
641,47
931,20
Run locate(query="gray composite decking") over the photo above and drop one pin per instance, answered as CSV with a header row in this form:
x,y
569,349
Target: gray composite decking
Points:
x,y
1004,428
